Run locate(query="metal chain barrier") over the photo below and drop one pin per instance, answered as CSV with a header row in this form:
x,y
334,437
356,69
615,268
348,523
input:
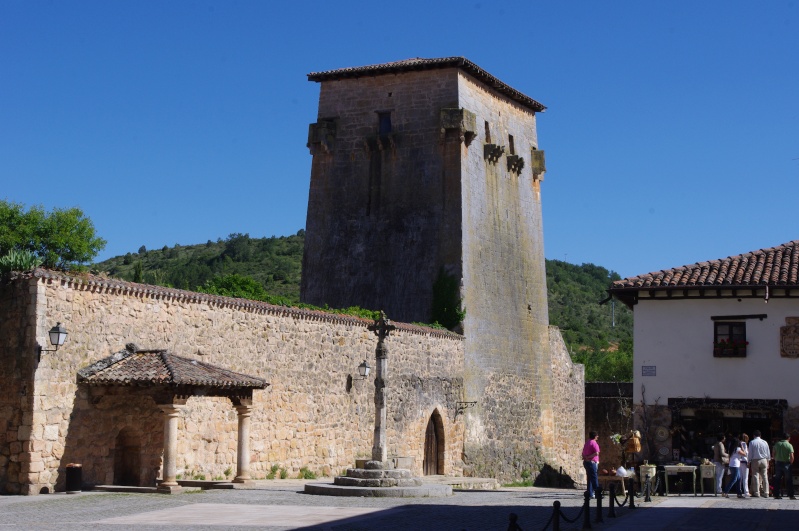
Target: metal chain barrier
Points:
x,y
576,517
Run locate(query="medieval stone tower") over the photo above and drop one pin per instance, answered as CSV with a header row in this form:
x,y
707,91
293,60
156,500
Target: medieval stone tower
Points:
x,y
431,167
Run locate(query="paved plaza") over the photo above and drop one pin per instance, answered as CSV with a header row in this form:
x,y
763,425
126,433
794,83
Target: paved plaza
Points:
x,y
281,505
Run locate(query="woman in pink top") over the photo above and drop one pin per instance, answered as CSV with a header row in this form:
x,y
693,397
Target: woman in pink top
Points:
x,y
591,462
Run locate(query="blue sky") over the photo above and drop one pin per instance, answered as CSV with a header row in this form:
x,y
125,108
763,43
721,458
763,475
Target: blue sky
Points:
x,y
672,129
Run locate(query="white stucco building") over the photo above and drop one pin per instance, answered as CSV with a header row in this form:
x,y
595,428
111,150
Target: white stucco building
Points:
x,y
716,349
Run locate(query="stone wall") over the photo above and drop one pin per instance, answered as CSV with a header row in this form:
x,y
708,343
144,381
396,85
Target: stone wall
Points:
x,y
17,357
510,363
569,405
313,414
383,210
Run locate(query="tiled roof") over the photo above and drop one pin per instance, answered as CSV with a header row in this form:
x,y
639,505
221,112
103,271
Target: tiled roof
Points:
x,y
776,266
419,63
160,367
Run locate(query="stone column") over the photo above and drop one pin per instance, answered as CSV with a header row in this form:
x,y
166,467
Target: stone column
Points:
x,y
169,483
379,450
382,327
243,457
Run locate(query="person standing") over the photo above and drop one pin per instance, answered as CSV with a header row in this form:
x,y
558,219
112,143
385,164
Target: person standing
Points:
x,y
591,462
759,456
783,459
721,459
736,453
745,464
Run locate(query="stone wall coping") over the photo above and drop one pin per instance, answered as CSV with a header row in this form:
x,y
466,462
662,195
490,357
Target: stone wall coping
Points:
x,y
91,282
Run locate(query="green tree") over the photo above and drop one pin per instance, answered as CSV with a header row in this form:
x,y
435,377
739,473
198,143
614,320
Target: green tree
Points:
x,y
237,286
447,309
138,272
61,238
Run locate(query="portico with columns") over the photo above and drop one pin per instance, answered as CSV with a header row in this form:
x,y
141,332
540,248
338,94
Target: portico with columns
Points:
x,y
170,381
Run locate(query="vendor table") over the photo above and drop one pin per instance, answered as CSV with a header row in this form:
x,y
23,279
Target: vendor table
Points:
x,y
707,472
673,470
606,481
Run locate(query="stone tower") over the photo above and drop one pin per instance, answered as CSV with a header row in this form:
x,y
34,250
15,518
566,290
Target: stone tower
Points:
x,y
426,167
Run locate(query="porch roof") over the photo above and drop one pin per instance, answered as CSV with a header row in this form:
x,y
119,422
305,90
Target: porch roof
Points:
x,y
135,367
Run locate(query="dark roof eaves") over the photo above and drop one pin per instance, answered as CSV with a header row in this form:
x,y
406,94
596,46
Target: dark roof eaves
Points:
x,y
428,64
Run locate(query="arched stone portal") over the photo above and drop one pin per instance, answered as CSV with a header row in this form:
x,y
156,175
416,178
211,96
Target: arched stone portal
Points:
x,y
127,458
434,446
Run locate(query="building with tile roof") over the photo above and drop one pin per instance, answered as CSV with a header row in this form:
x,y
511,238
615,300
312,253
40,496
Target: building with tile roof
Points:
x,y
716,349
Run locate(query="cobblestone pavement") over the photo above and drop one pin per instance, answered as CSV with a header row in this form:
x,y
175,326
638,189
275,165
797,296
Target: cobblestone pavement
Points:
x,y
281,505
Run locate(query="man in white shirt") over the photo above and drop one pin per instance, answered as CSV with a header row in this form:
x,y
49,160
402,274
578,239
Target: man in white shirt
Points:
x,y
759,455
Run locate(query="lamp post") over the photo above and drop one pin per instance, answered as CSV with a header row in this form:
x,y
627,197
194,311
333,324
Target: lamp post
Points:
x,y
381,327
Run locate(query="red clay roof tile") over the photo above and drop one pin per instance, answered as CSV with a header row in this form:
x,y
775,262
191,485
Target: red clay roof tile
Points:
x,y
775,266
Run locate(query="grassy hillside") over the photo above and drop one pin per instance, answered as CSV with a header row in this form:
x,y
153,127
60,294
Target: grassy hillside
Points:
x,y
275,263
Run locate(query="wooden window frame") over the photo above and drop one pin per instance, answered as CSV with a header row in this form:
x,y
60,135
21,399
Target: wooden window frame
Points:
x,y
729,330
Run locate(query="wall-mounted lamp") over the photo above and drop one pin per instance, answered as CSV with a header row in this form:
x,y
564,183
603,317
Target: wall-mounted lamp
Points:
x,y
58,334
363,370
460,407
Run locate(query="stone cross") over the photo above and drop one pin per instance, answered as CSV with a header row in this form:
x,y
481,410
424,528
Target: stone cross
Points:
x,y
381,327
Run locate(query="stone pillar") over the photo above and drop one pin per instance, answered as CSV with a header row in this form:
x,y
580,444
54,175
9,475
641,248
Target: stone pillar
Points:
x,y
382,327
243,457
169,483
379,450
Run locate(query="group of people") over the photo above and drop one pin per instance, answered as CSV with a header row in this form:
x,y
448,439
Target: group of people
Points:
x,y
740,456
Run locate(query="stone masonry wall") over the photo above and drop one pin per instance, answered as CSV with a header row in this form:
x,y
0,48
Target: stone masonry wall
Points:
x,y
569,405
312,415
509,359
383,210
17,357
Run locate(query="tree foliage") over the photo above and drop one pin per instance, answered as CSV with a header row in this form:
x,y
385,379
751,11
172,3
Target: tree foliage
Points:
x,y
598,336
61,238
447,308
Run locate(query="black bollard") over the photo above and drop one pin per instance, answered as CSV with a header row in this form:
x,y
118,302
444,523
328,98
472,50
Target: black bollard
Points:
x,y
586,512
599,506
556,515
647,488
612,501
631,492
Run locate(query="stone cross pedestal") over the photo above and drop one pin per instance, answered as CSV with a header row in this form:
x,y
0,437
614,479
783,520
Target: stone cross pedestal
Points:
x,y
382,327
378,477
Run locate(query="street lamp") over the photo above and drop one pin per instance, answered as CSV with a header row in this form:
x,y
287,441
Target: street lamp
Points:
x,y
58,334
364,369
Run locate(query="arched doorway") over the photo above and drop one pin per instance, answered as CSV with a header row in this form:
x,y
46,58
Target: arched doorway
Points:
x,y
127,458
434,446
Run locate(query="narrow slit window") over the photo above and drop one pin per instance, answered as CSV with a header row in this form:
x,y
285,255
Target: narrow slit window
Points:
x,y
384,123
488,134
511,147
